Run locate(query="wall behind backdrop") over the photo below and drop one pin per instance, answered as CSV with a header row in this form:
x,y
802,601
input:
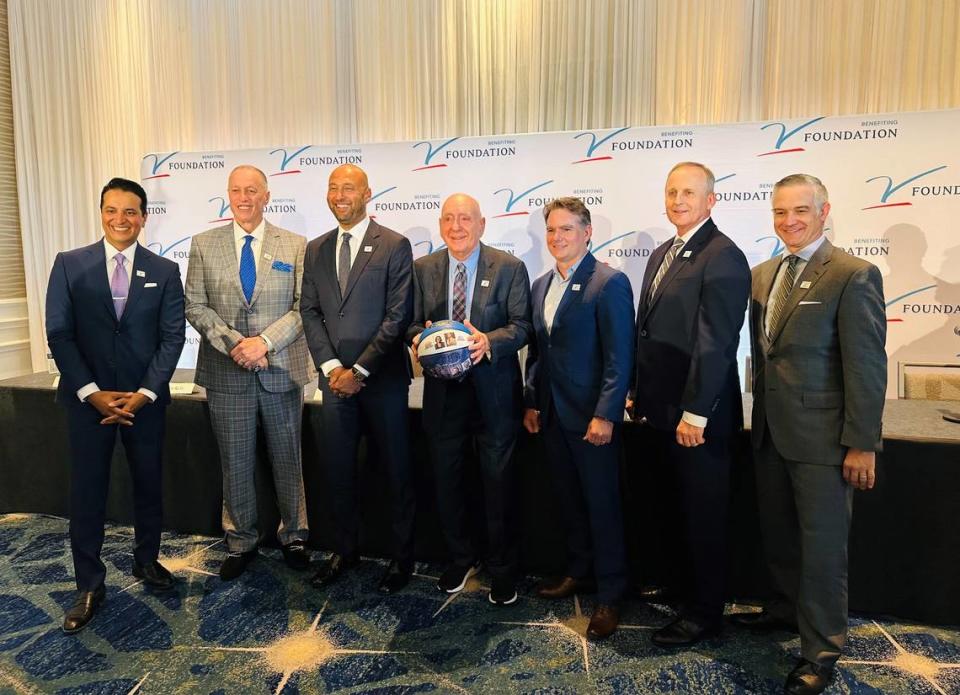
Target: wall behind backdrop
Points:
x,y
96,84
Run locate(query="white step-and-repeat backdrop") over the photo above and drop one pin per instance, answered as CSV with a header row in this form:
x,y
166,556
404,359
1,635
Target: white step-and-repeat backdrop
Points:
x,y
894,183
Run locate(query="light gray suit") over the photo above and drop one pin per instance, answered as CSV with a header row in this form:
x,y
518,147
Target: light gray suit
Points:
x,y
217,309
819,384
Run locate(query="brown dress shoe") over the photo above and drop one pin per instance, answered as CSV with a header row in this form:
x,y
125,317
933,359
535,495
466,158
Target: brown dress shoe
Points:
x,y
83,609
603,622
565,587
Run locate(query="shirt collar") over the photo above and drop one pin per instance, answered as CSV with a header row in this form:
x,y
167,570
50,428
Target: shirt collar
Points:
x,y
239,232
471,261
110,250
570,271
806,253
689,235
357,231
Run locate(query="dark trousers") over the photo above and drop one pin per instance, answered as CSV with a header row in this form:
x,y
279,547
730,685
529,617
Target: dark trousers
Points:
x,y
805,512
587,483
702,477
384,413
91,450
463,425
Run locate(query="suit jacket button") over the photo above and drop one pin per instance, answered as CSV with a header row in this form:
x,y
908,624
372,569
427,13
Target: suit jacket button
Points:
x,y
340,315
643,333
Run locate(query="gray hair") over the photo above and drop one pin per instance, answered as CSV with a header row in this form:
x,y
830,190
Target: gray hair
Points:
x,y
711,179
820,195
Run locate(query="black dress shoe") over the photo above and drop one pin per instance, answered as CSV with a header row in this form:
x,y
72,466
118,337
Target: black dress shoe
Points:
x,y
603,622
566,587
234,564
808,679
683,632
763,621
296,556
331,569
83,609
154,575
656,594
396,577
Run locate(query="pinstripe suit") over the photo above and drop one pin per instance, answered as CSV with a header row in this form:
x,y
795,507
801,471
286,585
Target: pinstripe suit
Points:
x,y
217,309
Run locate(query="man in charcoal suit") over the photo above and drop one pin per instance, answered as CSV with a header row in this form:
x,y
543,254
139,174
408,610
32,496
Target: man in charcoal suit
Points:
x,y
818,328
114,317
489,291
243,297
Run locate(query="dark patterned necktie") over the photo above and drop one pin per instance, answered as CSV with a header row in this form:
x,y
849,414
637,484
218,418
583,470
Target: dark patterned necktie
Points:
x,y
775,309
343,265
665,265
460,293
248,268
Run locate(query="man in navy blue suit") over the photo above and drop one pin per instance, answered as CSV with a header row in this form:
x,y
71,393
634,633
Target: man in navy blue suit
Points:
x,y
686,387
115,326
578,372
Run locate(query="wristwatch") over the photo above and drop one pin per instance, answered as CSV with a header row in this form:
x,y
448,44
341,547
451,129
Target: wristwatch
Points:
x,y
358,375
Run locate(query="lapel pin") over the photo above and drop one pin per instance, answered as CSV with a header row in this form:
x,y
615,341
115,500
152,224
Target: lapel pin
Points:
x,y
484,283
686,254
367,249
575,287
141,274
805,285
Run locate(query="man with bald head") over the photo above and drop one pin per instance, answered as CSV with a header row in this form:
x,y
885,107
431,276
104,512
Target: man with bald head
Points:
x,y
357,303
488,290
243,298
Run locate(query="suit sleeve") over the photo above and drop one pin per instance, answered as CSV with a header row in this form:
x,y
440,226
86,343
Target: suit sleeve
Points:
x,y
723,305
616,328
288,327
398,307
531,370
200,314
419,311
507,340
311,311
172,335
862,328
61,332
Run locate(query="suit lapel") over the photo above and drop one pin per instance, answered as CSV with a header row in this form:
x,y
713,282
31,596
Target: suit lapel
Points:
x,y
811,274
441,274
268,251
371,240
688,254
141,264
766,272
481,285
101,282
580,279
227,248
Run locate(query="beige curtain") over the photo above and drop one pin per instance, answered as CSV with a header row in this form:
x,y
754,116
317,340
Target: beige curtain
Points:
x,y
98,83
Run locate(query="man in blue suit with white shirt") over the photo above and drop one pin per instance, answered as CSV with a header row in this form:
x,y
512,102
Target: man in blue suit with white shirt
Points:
x,y
115,326
578,371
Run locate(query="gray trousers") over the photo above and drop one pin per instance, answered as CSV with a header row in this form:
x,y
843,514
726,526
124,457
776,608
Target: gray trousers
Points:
x,y
805,512
234,419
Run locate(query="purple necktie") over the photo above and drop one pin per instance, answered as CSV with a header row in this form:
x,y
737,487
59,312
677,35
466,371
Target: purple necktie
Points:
x,y
120,285
460,293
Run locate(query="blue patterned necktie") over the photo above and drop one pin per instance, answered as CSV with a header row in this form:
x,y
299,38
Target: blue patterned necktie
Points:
x,y
248,268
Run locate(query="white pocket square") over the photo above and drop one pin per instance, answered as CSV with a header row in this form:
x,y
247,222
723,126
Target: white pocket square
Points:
x,y
149,284
802,303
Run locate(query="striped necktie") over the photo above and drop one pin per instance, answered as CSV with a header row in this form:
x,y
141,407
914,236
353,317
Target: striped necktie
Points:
x,y
775,309
665,265
459,312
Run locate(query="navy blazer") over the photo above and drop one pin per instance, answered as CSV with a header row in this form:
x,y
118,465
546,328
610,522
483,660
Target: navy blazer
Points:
x,y
688,333
366,325
501,309
89,344
584,366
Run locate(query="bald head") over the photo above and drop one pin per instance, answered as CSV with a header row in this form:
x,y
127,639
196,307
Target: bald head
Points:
x,y
461,225
251,170
347,195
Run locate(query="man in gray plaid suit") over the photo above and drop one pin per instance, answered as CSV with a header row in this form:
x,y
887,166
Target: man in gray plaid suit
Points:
x,y
243,298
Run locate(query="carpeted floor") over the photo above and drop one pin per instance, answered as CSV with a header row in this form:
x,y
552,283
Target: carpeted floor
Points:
x,y
269,632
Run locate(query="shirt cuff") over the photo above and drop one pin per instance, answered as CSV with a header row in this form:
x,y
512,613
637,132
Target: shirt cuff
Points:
x,y
695,420
268,342
361,370
85,391
149,394
329,366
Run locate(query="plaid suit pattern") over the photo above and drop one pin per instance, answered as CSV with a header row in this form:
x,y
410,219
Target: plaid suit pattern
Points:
x,y
217,309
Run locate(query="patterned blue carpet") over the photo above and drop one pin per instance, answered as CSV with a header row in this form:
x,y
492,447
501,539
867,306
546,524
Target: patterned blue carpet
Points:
x,y
269,632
